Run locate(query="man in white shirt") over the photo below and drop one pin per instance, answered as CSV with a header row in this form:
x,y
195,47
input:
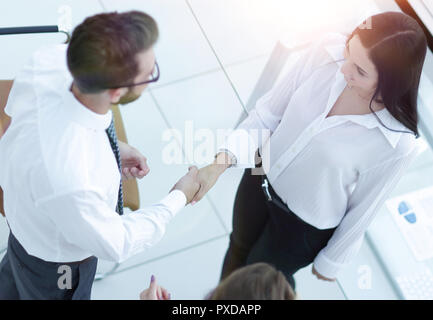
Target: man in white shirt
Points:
x,y
62,164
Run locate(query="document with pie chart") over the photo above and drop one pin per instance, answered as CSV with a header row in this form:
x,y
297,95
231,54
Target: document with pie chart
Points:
x,y
413,214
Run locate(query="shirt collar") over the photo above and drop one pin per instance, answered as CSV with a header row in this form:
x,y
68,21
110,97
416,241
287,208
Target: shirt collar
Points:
x,y
81,114
367,120
370,121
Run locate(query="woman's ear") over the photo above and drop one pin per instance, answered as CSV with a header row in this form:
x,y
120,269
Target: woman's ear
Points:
x,y
116,94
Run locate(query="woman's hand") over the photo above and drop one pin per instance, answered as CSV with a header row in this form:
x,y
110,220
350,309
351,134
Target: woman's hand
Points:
x,y
208,176
154,292
320,277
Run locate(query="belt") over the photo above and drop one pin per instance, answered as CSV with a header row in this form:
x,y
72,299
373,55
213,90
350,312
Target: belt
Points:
x,y
16,245
78,262
273,198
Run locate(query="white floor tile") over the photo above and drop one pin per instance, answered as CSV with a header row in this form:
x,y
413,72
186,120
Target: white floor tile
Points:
x,y
16,49
191,226
246,75
190,274
365,279
309,287
413,180
144,128
252,27
425,159
182,50
207,102
237,29
194,224
48,12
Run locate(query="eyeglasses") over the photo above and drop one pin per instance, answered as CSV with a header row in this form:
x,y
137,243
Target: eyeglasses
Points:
x,y
154,77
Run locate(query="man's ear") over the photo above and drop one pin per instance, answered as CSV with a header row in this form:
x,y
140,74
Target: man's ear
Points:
x,y
116,94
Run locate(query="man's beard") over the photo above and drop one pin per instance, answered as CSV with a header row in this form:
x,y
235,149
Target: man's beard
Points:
x,y
129,97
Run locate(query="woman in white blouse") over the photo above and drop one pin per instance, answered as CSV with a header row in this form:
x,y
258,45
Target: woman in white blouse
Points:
x,y
343,126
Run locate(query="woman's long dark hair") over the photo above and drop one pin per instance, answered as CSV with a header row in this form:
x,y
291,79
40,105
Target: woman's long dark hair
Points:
x,y
397,47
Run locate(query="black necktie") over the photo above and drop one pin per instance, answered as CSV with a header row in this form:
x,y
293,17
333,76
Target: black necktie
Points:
x,y
111,132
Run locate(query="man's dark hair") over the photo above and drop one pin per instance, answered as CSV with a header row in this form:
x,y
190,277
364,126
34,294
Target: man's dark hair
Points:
x,y
102,50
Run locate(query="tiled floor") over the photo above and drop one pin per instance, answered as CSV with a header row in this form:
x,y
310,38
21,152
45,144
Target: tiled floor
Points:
x,y
196,37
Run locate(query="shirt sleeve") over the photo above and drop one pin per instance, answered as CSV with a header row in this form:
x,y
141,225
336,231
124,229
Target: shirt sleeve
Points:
x,y
23,88
85,220
371,191
264,119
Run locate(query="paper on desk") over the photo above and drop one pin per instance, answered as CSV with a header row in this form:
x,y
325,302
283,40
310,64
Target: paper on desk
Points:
x,y
413,214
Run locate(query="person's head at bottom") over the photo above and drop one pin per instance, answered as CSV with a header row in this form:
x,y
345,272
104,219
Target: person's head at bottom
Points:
x,y
259,281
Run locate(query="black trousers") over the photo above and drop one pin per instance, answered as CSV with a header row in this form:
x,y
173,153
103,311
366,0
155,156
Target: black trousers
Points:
x,y
264,231
26,277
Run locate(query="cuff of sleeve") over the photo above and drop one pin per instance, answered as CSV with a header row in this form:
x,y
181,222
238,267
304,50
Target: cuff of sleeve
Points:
x,y
174,201
242,146
7,111
326,267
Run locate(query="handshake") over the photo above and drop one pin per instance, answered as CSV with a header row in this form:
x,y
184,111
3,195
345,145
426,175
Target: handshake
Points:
x,y
196,183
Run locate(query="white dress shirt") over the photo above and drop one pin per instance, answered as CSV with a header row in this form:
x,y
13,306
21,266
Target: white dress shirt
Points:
x,y
334,171
60,176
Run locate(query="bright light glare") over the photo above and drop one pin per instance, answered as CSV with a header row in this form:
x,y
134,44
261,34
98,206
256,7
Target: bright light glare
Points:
x,y
294,21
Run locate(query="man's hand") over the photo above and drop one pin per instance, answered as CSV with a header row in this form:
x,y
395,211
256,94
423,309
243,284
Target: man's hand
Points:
x,y
320,277
207,178
154,292
188,184
134,164
209,175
